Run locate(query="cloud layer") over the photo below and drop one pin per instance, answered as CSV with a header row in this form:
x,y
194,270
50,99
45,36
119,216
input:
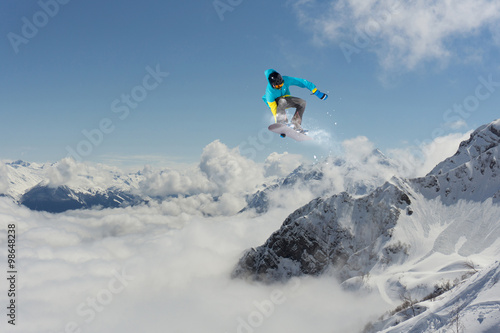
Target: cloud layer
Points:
x,y
417,161
166,266
125,270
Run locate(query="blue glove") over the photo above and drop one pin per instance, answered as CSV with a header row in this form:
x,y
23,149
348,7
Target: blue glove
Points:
x,y
321,95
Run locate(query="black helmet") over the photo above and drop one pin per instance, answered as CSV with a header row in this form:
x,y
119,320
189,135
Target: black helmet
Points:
x,y
275,79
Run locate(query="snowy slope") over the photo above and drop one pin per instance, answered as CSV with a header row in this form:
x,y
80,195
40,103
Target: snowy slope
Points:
x,y
472,306
443,242
19,176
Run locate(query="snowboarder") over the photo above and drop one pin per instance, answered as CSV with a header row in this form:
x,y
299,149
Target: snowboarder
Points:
x,y
278,97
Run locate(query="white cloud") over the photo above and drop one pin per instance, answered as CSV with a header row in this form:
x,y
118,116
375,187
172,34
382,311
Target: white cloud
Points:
x,y
357,149
79,174
280,165
442,148
62,172
167,182
418,161
218,184
409,162
228,170
221,170
402,34
460,123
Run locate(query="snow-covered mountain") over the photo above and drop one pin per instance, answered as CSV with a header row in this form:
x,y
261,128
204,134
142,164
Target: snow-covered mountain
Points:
x,y
328,177
471,306
66,185
62,198
19,176
471,174
403,239
340,231
61,186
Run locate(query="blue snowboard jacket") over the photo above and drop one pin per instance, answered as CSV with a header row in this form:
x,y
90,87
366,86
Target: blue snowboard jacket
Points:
x,y
272,94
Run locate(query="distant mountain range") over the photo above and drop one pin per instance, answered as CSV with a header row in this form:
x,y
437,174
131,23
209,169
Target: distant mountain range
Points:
x,y
62,198
52,188
331,176
30,184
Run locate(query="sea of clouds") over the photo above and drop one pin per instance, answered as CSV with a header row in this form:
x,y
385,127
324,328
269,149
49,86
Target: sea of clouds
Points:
x,y
165,266
132,269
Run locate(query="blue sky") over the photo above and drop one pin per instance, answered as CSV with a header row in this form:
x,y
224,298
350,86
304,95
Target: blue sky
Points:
x,y
399,76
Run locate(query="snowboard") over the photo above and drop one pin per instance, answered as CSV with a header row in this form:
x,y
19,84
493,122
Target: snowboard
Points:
x,y
284,131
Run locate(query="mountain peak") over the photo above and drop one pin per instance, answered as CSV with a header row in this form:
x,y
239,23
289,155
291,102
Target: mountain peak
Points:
x,y
19,163
471,174
481,140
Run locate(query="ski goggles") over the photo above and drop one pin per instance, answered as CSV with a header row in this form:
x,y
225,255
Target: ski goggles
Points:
x,y
278,86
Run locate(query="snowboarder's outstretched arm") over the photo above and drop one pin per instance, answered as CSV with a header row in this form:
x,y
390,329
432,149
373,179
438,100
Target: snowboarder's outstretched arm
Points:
x,y
302,83
294,81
